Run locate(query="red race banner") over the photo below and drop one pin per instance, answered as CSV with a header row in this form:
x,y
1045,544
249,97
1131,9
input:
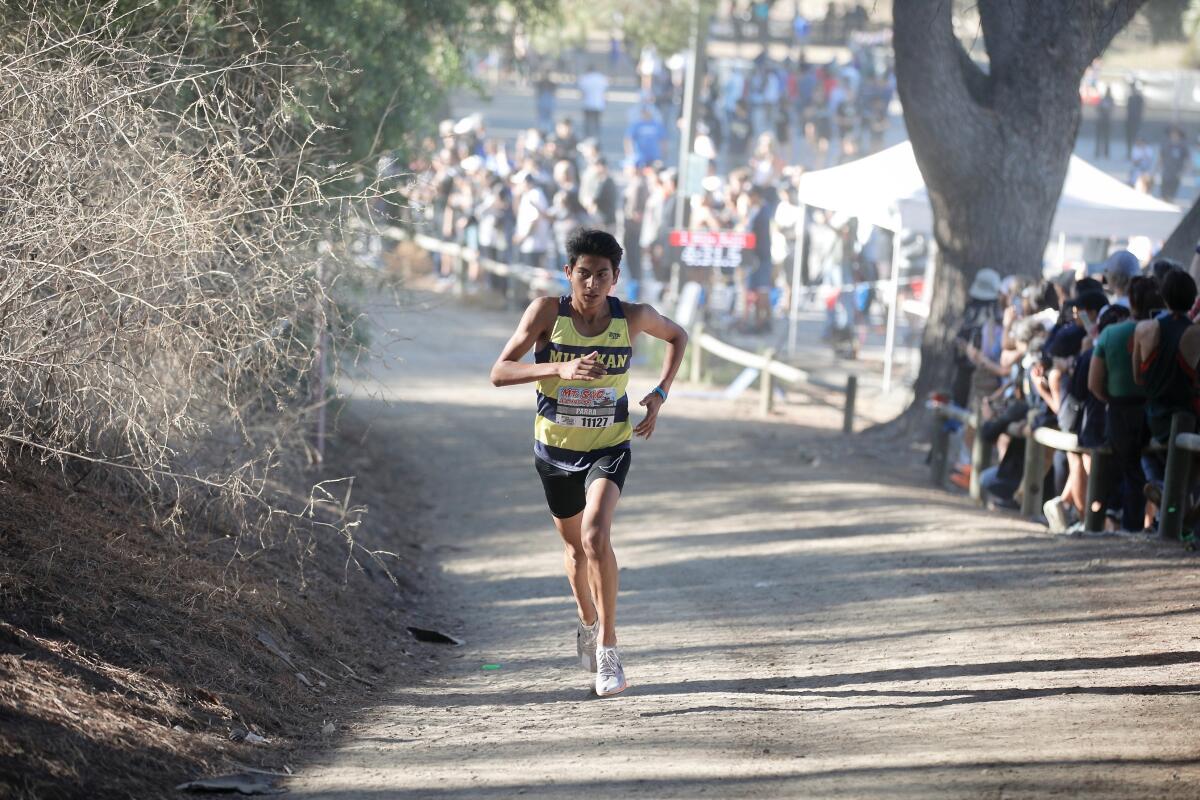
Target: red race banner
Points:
x,y
738,240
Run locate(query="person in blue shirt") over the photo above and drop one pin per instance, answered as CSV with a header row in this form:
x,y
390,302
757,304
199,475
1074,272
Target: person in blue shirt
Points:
x,y
644,138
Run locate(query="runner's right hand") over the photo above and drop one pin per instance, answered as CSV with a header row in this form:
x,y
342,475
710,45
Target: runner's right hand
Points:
x,y
584,368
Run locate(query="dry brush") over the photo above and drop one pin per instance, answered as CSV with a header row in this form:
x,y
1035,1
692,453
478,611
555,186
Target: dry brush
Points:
x,y
165,261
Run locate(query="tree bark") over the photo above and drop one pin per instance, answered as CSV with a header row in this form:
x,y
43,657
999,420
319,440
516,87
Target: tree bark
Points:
x,y
1181,244
993,143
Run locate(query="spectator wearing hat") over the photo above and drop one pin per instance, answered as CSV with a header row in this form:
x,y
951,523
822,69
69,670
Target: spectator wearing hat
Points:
x,y
980,332
1119,269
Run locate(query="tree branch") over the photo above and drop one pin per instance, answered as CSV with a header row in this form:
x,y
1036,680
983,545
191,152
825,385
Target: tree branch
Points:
x,y
1003,24
1106,19
1182,242
924,43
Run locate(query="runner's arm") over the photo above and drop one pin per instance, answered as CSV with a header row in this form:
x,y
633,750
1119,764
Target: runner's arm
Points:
x,y
645,319
536,323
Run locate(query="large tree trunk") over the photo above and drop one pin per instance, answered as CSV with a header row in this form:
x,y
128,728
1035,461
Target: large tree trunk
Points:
x,y
1181,244
993,145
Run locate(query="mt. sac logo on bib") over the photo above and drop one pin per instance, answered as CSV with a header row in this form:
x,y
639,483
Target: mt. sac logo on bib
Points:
x,y
586,407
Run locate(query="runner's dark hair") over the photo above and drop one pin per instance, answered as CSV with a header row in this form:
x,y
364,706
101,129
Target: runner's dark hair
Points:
x,y
593,242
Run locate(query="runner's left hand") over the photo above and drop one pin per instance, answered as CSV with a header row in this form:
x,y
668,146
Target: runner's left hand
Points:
x,y
652,402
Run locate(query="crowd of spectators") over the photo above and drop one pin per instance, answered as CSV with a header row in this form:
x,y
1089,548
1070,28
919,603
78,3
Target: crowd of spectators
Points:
x,y
516,200
1109,359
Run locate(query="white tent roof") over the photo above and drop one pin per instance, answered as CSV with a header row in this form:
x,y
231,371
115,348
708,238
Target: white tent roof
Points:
x,y
887,190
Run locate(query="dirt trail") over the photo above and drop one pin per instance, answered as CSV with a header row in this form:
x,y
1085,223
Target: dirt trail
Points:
x,y
796,620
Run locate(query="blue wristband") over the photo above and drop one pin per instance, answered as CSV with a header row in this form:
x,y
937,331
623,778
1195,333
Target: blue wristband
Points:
x,y
661,392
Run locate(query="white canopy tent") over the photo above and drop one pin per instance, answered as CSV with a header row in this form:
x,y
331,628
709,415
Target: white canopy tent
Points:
x,y
886,190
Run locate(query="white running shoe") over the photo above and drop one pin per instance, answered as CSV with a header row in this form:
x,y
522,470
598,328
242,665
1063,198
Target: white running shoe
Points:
x,y
585,645
610,675
1056,515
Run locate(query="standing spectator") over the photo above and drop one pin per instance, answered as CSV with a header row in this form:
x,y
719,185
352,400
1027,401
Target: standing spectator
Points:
x,y
545,89
1173,161
1165,352
979,331
598,193
657,221
533,232
800,29
633,210
1135,110
766,164
567,214
644,138
819,128
593,85
740,131
1104,112
1111,380
711,103
758,279
1119,270
832,24
649,65
495,219
566,143
806,84
1141,166
1054,386
876,97
756,96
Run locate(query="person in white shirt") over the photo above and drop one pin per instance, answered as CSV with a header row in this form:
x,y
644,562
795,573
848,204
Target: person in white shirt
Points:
x,y
533,232
592,85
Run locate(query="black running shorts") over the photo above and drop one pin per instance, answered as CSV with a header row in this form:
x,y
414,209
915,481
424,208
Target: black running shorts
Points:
x,y
566,491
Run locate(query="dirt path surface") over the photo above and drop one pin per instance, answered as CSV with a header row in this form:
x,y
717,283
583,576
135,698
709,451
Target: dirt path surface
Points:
x,y
798,617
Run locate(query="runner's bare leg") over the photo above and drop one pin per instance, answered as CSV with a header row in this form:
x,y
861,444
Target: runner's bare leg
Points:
x,y
576,562
602,500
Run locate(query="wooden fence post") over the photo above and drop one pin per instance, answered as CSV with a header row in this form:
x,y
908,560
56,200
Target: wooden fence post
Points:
x,y
460,270
766,384
1035,472
939,444
848,411
696,372
981,454
1175,482
1098,480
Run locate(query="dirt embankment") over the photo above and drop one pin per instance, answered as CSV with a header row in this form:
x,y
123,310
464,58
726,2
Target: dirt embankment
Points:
x,y
130,656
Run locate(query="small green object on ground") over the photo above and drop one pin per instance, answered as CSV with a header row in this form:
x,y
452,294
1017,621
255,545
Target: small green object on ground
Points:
x,y
491,666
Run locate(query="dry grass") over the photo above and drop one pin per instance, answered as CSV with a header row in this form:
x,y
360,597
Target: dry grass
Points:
x,y
127,658
170,261
170,301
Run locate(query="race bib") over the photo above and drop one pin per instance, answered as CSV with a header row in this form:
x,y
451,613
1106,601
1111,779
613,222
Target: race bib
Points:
x,y
583,407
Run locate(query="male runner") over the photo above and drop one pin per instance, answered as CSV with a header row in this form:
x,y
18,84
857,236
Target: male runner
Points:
x,y
583,343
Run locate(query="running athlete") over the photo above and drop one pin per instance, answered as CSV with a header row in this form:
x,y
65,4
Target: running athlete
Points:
x,y
583,343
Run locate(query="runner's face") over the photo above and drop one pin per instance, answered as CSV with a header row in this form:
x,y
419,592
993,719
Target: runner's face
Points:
x,y
591,278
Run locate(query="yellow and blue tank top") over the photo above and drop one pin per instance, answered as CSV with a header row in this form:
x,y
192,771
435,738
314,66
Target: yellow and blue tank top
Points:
x,y
580,421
